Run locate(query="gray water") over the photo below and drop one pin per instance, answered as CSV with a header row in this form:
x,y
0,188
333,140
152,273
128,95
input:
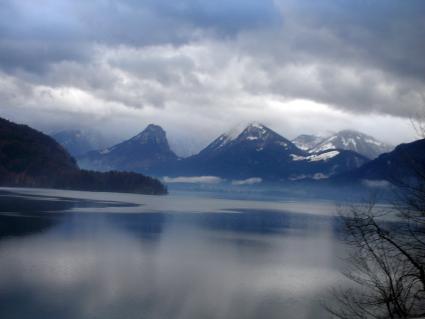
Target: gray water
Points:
x,y
66,254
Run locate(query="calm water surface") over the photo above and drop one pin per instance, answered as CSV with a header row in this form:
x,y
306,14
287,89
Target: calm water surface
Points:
x,y
66,254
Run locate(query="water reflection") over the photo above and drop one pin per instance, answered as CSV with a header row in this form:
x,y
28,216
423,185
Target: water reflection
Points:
x,y
250,264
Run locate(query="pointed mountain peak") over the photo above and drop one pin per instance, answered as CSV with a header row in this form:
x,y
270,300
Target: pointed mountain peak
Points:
x,y
253,134
256,125
255,131
151,132
236,133
153,128
140,153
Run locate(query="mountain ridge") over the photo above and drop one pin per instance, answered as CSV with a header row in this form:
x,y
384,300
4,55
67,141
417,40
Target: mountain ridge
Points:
x,y
405,162
251,151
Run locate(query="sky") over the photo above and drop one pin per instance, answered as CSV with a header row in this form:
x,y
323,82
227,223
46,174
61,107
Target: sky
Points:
x,y
199,68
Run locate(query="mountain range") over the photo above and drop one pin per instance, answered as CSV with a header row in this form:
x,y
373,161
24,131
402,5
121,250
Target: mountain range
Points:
x,y
31,158
254,151
258,151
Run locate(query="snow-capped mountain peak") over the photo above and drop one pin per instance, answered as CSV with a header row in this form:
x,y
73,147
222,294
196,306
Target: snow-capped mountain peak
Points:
x,y
252,132
353,141
254,136
255,131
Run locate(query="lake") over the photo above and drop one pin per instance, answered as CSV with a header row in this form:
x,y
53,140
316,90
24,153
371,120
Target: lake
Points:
x,y
68,254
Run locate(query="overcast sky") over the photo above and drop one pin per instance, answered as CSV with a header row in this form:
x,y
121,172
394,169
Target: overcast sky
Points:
x,y
199,67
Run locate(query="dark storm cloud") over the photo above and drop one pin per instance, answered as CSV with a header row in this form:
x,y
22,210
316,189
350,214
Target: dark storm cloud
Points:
x,y
32,36
360,56
386,33
226,17
36,33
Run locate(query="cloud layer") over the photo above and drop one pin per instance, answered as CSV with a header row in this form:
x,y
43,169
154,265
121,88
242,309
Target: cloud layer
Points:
x,y
193,180
201,67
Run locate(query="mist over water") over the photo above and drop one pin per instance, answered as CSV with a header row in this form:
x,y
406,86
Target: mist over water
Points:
x,y
239,264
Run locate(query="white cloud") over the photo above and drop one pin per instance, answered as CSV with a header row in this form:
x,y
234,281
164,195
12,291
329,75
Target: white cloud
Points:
x,y
248,181
193,179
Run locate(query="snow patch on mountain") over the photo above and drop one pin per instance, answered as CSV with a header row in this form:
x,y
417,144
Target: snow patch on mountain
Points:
x,y
323,156
105,151
315,157
297,157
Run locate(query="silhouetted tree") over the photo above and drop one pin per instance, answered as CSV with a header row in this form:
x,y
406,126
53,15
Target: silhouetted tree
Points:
x,y
386,262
